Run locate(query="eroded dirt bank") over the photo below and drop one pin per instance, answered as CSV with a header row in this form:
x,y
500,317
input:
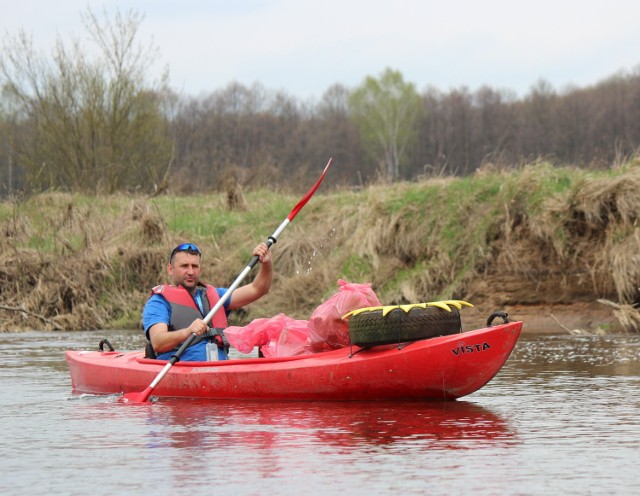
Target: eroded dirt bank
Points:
x,y
558,250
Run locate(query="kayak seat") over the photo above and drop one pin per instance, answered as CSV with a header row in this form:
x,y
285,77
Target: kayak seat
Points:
x,y
149,351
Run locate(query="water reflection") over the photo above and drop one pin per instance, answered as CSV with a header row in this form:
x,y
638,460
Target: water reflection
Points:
x,y
561,417
268,425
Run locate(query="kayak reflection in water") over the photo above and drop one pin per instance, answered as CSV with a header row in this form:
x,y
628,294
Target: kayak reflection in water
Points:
x,y
175,310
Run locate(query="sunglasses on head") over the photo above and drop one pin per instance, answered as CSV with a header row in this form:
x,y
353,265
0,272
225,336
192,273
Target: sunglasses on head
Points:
x,y
188,247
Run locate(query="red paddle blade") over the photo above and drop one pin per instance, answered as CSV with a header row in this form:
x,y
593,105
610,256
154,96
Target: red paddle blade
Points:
x,y
309,194
136,397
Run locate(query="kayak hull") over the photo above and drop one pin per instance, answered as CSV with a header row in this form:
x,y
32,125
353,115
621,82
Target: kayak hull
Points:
x,y
445,367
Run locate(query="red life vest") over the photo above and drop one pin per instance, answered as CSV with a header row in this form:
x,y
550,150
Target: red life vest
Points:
x,y
184,309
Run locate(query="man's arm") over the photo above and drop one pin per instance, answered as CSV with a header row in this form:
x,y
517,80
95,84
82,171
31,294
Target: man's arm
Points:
x,y
155,318
164,340
260,285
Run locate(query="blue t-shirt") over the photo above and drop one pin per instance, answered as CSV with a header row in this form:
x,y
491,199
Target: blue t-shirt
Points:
x,y
157,310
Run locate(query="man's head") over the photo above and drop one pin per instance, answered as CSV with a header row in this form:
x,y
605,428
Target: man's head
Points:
x,y
184,266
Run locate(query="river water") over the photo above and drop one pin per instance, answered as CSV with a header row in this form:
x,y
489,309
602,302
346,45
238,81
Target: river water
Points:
x,y
563,417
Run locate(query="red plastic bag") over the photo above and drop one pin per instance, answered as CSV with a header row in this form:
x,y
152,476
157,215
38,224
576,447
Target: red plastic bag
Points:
x,y
327,330
276,336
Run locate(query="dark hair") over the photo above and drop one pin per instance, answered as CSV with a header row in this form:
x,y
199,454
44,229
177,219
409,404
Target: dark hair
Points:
x,y
188,247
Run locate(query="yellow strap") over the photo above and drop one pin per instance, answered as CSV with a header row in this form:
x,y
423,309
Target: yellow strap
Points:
x,y
444,305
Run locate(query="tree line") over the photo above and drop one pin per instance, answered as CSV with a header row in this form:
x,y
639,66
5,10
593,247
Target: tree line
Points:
x,y
98,124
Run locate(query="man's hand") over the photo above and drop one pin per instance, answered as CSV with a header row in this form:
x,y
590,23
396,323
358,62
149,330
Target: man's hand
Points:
x,y
198,327
263,253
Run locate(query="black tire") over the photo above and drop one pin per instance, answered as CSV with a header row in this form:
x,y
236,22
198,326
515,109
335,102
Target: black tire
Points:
x,y
372,328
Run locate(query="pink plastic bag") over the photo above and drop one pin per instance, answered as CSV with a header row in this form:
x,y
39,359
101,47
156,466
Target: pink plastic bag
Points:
x,y
290,341
284,336
327,330
276,336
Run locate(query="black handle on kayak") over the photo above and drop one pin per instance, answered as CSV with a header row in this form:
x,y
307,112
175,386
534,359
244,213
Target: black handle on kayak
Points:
x,y
502,315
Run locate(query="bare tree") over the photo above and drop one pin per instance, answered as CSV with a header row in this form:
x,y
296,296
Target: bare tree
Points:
x,y
96,124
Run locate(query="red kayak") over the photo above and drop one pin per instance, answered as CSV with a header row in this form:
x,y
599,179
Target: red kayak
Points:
x,y
445,367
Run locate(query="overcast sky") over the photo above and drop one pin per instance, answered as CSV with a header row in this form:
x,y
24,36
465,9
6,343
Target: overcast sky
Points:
x,y
305,46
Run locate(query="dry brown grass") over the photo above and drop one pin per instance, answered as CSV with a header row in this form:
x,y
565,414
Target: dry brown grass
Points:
x,y
598,227
82,255
627,315
532,236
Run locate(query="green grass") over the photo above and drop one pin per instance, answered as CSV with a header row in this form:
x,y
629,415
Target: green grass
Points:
x,y
434,236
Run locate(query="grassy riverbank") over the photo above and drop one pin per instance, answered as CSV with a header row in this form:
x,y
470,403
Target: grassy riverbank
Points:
x,y
535,240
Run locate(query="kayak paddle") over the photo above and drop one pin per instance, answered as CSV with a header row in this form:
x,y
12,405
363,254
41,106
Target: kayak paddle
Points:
x,y
141,397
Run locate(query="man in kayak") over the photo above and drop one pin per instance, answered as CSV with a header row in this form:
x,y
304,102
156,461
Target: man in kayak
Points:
x,y
176,310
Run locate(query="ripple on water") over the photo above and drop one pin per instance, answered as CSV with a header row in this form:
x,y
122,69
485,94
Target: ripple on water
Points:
x,y
561,417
